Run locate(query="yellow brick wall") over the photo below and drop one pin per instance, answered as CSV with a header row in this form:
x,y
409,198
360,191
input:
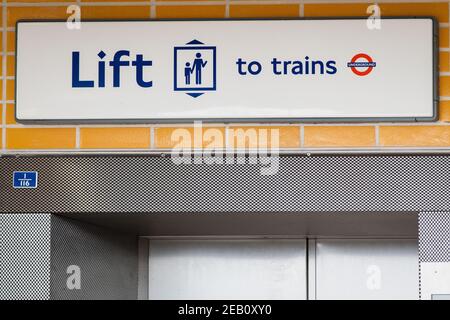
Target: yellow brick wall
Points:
x,y
15,137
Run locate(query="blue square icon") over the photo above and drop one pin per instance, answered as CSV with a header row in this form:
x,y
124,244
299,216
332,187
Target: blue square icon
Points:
x,y
25,179
195,68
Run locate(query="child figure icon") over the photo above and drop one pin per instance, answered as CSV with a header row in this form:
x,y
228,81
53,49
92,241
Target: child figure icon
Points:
x,y
187,73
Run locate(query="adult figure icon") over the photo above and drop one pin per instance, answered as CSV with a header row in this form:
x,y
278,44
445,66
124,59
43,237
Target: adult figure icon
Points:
x,y
197,66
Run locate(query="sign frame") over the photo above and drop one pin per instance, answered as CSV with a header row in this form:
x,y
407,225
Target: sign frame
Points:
x,y
435,81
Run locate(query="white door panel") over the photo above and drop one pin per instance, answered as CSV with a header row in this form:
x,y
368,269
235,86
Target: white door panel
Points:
x,y
227,269
367,269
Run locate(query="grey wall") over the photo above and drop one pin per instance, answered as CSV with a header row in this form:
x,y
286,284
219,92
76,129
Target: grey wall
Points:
x,y
107,260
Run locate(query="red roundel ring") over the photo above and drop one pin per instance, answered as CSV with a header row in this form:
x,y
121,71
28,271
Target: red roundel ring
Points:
x,y
364,56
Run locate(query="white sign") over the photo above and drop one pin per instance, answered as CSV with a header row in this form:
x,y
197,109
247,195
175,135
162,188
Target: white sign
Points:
x,y
252,70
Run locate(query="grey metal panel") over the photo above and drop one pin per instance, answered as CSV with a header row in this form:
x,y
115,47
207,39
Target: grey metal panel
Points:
x,y
367,269
24,256
143,269
440,297
107,261
155,184
434,236
227,269
312,224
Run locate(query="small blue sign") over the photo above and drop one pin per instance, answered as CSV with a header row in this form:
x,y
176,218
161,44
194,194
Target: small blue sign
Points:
x,y
25,179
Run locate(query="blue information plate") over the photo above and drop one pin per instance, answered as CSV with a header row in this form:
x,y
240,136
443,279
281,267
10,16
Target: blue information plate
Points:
x,y
25,179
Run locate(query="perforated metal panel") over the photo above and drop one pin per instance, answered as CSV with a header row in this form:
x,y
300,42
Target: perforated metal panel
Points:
x,y
434,236
107,261
24,256
434,254
156,184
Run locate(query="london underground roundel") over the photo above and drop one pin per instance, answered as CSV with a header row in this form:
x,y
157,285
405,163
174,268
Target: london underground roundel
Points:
x,y
361,64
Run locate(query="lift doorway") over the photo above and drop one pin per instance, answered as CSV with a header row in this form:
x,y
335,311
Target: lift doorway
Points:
x,y
296,269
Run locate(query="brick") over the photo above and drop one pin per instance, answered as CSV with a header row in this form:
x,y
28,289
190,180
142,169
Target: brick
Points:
x,y
255,137
41,1
188,0
339,136
335,10
113,1
444,111
209,137
38,13
444,59
10,114
40,138
115,138
10,66
443,38
415,136
212,11
10,91
444,86
264,11
11,41
116,12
